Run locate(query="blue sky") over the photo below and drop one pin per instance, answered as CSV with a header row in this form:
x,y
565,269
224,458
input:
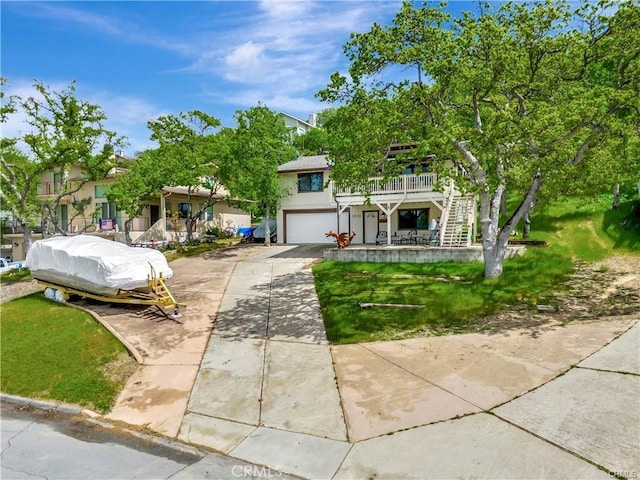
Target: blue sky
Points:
x,y
142,59
139,60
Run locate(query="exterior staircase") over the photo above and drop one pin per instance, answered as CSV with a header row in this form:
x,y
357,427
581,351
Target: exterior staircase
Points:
x,y
457,230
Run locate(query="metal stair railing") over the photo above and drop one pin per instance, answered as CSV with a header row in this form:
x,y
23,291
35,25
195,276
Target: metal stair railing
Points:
x,y
444,218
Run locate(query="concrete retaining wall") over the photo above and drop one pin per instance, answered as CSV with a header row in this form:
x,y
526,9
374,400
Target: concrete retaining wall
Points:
x,y
404,254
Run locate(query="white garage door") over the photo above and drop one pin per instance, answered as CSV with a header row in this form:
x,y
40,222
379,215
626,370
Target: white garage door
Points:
x,y
311,227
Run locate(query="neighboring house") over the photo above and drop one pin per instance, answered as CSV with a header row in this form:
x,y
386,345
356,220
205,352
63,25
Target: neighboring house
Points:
x,y
404,210
174,203
297,126
88,210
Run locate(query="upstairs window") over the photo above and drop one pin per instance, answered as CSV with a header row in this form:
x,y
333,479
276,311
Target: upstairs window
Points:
x,y
101,191
416,169
310,182
57,183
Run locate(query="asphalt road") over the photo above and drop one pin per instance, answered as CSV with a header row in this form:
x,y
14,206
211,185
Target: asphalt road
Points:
x,y
56,445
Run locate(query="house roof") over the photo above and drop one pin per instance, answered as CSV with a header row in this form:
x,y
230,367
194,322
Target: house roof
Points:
x,y
314,162
203,192
299,120
197,192
319,162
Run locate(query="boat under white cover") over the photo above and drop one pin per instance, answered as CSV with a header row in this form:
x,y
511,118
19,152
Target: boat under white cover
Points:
x,y
94,264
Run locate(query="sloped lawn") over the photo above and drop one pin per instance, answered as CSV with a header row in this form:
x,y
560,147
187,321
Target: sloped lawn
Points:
x,y
55,352
454,294
451,294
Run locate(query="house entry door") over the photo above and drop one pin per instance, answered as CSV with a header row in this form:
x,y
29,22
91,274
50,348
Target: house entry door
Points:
x,y
370,226
154,213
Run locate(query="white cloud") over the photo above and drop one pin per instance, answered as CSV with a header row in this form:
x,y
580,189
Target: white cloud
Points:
x,y
277,52
301,106
279,9
246,60
289,45
128,116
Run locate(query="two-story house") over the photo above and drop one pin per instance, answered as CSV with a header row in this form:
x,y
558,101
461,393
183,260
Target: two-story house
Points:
x,y
88,210
404,210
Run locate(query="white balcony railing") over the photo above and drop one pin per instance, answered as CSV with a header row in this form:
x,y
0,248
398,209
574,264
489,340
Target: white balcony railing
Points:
x,y
401,184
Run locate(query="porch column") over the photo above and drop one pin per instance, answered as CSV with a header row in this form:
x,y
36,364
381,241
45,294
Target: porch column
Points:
x,y
388,211
163,216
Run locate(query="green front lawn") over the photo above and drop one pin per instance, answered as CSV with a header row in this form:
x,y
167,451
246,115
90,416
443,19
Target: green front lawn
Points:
x,y
15,276
53,351
451,293
56,352
191,250
454,294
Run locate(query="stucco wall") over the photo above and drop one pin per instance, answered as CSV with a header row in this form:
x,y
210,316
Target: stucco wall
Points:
x,y
308,200
404,254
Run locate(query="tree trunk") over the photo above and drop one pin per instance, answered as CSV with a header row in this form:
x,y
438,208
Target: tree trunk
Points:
x,y
616,196
267,230
493,260
526,231
503,203
45,226
494,247
26,237
190,223
494,238
127,231
527,226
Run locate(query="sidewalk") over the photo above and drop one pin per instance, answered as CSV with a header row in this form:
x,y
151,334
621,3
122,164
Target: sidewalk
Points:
x,y
250,374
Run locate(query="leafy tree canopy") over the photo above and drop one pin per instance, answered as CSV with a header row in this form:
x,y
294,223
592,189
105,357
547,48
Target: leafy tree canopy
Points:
x,y
314,142
259,146
192,153
529,97
62,131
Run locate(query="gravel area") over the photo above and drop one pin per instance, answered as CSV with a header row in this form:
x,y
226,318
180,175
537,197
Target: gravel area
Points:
x,y
17,290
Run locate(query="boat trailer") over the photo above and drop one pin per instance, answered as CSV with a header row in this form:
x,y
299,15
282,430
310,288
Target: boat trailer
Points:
x,y
157,295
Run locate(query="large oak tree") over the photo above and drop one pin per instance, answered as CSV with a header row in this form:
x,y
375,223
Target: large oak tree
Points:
x,y
61,131
533,98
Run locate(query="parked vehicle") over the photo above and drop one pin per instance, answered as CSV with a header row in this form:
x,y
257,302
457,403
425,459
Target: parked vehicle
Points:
x,y
7,265
103,270
259,231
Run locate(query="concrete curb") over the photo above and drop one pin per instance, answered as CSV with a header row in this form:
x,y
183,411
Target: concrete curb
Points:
x,y
132,350
45,406
98,419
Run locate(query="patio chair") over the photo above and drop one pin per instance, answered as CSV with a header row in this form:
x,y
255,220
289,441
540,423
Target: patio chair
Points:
x,y
434,237
381,238
412,238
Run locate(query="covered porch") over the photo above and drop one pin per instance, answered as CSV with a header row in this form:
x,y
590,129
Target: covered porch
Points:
x,y
409,212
